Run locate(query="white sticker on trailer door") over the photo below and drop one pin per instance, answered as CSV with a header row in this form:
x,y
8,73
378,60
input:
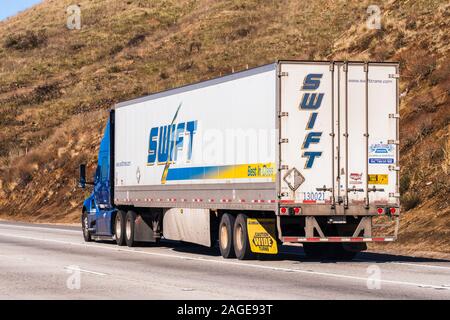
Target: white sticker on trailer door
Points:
x,y
306,96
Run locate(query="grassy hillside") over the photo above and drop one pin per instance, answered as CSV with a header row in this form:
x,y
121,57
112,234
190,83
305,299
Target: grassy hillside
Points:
x,y
56,84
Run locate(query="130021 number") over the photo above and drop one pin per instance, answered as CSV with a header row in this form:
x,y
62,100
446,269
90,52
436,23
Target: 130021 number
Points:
x,y
316,196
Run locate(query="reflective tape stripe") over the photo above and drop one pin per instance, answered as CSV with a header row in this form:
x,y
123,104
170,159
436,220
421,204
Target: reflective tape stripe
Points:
x,y
337,239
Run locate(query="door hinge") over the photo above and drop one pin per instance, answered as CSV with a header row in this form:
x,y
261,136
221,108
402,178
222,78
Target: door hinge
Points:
x,y
394,115
283,74
366,67
393,142
284,167
394,195
324,188
394,76
345,66
374,189
283,114
354,189
284,140
394,168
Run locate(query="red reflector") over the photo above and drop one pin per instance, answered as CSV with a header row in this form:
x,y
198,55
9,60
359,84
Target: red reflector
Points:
x,y
296,210
380,210
283,210
393,210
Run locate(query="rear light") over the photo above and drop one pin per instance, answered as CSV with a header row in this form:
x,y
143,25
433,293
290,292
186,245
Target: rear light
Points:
x,y
283,210
392,210
296,210
380,210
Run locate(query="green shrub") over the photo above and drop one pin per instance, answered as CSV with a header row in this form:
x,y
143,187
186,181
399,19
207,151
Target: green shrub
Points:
x,y
410,201
136,40
405,182
26,41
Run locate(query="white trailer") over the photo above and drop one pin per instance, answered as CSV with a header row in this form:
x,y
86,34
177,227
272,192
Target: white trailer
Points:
x,y
294,151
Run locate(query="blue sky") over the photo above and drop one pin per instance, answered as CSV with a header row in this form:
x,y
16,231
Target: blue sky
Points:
x,y
10,8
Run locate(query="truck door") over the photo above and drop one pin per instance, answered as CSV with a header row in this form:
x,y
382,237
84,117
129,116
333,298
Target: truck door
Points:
x,y
368,114
306,132
338,136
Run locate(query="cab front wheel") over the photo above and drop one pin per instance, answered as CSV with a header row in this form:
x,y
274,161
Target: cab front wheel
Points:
x,y
85,226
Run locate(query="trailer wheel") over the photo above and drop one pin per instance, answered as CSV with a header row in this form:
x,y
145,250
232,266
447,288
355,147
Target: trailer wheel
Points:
x,y
345,251
119,228
240,236
315,250
85,226
330,251
129,228
226,236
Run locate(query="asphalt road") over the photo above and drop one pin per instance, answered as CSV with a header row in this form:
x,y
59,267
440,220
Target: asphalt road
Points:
x,y
53,262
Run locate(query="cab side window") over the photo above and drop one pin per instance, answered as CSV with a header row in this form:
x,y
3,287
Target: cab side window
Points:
x,y
97,174
104,169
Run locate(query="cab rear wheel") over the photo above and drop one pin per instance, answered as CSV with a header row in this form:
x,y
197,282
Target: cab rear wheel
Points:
x,y
129,228
119,228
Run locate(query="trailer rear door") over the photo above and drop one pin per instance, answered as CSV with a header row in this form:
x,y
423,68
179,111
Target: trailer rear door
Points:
x,y
339,133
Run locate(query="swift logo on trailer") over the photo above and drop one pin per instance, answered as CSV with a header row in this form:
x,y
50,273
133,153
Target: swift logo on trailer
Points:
x,y
166,142
311,101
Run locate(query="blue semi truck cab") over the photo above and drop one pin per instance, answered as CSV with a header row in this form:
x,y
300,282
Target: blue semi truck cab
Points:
x,y
98,209
101,219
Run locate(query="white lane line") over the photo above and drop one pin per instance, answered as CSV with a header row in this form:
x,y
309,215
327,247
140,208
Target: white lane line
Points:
x,y
238,264
420,265
38,228
73,268
363,260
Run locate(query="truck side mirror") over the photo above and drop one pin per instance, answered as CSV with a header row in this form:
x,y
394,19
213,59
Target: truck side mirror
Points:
x,y
82,181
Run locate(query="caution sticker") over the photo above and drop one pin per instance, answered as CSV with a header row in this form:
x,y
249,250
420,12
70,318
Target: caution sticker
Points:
x,y
261,234
378,179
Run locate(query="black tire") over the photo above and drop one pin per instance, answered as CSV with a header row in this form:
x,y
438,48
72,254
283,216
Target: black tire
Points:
x,y
314,250
241,242
226,226
119,228
85,226
129,228
348,251
330,251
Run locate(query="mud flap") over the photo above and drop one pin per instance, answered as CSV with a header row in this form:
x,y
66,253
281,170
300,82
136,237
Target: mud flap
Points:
x,y
261,235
